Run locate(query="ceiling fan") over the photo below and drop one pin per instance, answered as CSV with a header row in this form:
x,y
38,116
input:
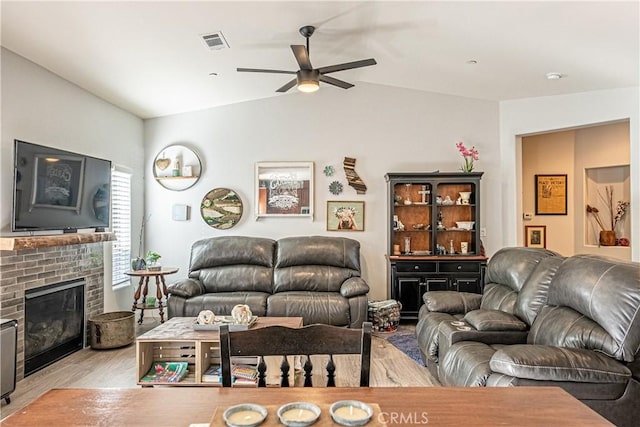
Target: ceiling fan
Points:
x,y
308,78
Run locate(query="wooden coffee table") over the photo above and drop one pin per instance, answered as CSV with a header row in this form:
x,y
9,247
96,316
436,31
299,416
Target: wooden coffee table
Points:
x,y
177,341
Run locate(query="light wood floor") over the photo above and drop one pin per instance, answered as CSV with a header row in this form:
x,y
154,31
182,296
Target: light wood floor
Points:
x,y
116,369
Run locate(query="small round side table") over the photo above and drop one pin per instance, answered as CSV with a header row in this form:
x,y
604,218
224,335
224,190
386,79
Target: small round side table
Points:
x,y
143,287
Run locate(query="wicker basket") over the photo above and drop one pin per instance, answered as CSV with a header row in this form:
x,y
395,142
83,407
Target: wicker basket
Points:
x,y
385,315
112,330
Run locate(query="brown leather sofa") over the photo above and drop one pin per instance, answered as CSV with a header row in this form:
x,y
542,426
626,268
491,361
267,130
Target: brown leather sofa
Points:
x,y
585,339
313,277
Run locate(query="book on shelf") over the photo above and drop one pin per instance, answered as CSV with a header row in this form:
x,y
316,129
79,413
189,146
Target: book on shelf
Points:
x,y
244,374
213,374
166,372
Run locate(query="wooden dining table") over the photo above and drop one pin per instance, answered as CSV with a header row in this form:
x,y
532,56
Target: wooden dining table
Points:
x,y
399,406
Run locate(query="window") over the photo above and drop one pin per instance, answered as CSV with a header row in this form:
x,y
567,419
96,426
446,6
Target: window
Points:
x,y
121,225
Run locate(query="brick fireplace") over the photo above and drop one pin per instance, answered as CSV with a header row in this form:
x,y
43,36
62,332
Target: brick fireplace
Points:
x,y
32,262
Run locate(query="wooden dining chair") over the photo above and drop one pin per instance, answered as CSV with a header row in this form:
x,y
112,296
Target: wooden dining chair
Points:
x,y
309,340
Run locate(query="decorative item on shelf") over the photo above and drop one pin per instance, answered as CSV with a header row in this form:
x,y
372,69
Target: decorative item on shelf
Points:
x,y
465,225
469,155
162,162
400,226
152,261
452,250
464,248
335,188
425,194
396,249
607,236
407,199
328,171
397,198
407,245
465,198
440,226
221,208
206,317
395,222
176,167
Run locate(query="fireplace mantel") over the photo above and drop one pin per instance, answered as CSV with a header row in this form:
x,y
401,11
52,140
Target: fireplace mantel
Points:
x,y
47,241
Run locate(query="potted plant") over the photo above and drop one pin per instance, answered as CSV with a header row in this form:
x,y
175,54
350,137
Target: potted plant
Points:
x,y
152,261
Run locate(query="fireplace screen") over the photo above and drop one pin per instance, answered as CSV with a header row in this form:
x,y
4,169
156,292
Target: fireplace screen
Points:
x,y
54,323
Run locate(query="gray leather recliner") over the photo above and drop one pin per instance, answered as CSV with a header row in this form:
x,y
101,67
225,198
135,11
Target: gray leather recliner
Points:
x,y
586,339
509,271
313,277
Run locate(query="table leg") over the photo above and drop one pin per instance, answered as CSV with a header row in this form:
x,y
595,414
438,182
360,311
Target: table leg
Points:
x,y
144,298
159,294
136,296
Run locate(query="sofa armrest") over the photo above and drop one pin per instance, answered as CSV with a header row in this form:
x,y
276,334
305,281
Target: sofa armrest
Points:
x,y
494,320
451,301
451,332
186,288
542,362
354,286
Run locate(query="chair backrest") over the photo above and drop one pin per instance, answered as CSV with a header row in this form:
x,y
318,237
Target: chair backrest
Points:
x,y
309,340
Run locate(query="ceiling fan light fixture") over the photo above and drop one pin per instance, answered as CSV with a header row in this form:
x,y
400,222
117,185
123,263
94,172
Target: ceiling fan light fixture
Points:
x,y
308,81
308,86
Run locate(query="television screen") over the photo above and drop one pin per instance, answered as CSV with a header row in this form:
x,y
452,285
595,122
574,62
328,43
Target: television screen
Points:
x,y
59,190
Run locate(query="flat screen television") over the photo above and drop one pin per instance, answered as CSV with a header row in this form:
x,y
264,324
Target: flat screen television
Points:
x,y
59,190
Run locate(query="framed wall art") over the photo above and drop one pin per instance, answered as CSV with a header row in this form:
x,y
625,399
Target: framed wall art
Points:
x,y
551,194
284,189
535,236
345,216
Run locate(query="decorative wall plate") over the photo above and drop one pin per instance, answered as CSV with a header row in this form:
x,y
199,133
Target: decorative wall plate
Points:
x,y
221,208
329,170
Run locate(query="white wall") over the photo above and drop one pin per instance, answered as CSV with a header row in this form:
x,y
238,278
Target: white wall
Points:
x,y
386,129
40,107
535,115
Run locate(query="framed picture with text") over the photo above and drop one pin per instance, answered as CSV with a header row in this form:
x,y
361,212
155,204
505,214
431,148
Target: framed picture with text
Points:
x,y
551,194
535,236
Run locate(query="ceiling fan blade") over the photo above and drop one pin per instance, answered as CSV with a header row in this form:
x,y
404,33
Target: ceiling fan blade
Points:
x,y
288,86
347,66
259,70
335,82
302,56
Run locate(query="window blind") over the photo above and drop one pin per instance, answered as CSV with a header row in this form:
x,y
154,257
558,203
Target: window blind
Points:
x,y
121,225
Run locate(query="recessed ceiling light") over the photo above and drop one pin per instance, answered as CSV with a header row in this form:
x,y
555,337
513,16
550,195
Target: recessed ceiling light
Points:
x,y
472,62
554,76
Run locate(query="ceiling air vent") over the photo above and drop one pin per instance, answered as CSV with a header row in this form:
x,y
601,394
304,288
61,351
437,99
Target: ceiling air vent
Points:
x,y
215,41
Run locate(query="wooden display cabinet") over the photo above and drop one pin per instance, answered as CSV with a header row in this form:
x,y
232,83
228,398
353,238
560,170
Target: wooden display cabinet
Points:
x,y
433,236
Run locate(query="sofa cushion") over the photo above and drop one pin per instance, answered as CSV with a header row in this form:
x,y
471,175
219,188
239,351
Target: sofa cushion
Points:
x,y
313,278
565,327
318,250
241,277
329,308
494,320
231,250
221,303
497,296
538,362
607,291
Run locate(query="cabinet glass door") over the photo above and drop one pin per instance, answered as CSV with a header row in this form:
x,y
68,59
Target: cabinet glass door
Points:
x,y
411,219
455,219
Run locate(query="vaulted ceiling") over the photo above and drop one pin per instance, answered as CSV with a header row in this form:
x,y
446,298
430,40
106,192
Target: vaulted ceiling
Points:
x,y
148,57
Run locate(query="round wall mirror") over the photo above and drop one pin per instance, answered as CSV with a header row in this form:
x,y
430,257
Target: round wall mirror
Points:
x,y
177,167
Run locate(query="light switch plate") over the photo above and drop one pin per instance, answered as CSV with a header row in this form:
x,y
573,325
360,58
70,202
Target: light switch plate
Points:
x,y
180,212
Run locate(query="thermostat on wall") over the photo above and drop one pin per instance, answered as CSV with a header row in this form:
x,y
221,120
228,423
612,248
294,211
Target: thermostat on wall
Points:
x,y
180,213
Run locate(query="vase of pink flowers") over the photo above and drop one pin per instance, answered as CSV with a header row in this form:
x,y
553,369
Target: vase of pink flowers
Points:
x,y
469,155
